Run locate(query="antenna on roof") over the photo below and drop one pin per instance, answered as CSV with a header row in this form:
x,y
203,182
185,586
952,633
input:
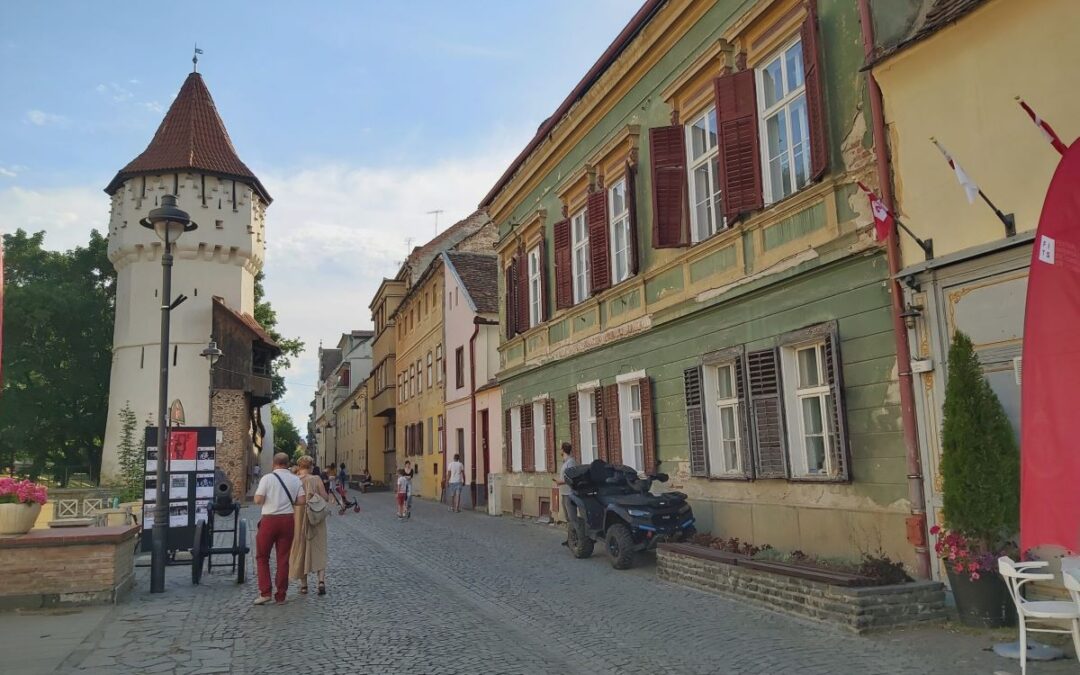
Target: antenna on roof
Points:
x,y
195,59
436,212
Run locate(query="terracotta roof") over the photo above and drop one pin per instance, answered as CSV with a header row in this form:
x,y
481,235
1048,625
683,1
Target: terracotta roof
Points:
x,y
422,256
479,274
250,323
192,137
941,14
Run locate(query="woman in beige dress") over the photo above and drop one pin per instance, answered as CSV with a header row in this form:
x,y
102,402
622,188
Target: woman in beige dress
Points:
x,y
308,553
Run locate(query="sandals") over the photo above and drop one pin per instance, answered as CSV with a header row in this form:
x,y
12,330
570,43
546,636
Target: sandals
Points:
x,y
303,589
322,588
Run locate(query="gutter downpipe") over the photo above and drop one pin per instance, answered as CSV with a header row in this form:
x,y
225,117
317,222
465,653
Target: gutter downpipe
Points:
x,y
477,322
916,522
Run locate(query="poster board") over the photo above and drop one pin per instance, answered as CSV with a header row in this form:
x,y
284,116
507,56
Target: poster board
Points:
x,y
191,458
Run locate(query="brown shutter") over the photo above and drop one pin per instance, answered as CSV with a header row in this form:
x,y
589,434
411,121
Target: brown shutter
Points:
x,y
511,299
611,417
508,439
631,207
838,445
739,152
575,425
544,316
528,465
522,290
815,95
745,441
648,427
671,205
695,422
549,427
601,425
599,247
763,374
564,266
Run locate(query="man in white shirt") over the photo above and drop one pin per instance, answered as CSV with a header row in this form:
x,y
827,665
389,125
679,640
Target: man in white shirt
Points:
x,y
455,473
277,493
569,508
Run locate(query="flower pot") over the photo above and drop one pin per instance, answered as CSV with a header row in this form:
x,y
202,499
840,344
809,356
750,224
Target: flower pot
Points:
x,y
983,603
18,518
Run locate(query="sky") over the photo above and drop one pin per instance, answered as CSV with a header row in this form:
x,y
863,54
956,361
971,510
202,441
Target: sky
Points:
x,y
359,117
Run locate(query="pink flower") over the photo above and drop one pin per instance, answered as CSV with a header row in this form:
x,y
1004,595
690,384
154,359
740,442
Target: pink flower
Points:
x,y
958,569
935,529
973,567
974,576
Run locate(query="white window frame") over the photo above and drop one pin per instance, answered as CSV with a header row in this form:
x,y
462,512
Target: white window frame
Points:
x,y
400,389
764,113
515,439
580,245
539,437
794,394
587,425
709,159
412,379
534,286
622,221
438,363
429,370
633,454
714,405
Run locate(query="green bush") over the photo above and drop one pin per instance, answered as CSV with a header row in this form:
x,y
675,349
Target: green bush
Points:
x,y
132,457
980,460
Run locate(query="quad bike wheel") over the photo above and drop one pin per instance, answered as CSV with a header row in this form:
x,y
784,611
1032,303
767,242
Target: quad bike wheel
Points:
x,y
580,545
620,545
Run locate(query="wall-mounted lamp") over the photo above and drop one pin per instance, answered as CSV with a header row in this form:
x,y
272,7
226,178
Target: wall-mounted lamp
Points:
x,y
910,314
355,406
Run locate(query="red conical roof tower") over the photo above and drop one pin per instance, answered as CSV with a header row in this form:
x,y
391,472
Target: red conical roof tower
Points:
x,y
192,137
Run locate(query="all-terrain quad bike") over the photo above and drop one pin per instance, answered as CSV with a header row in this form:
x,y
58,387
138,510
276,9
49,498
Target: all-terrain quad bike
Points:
x,y
616,508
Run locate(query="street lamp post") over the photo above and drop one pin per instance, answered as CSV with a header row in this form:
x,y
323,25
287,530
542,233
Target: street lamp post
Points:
x,y
168,221
211,354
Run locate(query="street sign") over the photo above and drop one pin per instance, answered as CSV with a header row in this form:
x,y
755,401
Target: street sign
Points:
x,y
176,413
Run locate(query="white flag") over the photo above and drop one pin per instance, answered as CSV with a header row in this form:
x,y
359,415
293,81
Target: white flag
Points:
x,y
970,188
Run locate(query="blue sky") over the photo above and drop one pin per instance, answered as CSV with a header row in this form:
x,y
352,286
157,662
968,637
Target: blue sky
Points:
x,y
359,117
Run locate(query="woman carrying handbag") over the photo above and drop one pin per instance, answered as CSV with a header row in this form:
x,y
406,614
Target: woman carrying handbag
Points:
x,y
308,552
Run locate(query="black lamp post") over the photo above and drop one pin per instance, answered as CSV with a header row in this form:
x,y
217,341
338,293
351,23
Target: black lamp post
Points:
x,y
169,222
211,354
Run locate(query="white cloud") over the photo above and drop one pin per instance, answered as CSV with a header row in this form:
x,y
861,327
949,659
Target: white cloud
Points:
x,y
67,214
41,118
8,172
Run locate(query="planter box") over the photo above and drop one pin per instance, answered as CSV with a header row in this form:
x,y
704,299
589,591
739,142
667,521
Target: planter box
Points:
x,y
800,591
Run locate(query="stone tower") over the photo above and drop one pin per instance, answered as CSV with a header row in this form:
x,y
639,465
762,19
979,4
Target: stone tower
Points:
x,y
192,157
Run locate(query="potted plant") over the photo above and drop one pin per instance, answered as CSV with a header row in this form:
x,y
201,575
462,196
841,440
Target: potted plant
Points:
x,y
980,474
20,504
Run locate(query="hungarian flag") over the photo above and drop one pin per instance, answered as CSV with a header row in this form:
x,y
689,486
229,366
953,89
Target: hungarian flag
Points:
x,y
883,220
970,188
1047,131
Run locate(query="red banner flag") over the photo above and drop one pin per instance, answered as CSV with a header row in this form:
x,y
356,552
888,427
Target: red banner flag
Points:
x,y
1047,131
883,219
1049,443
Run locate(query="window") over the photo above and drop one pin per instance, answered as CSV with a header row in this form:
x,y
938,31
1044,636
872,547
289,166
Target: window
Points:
x,y
620,231
534,287
632,430
412,379
419,376
810,410
784,124
722,415
515,439
441,429
579,230
706,219
430,441
590,441
438,363
429,370
400,388
461,442
459,367
539,437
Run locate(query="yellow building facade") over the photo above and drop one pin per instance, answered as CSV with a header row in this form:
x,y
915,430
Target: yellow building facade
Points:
x,y
382,391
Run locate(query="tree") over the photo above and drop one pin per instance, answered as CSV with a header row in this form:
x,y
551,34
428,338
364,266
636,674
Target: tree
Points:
x,y
290,347
286,435
57,354
980,461
132,456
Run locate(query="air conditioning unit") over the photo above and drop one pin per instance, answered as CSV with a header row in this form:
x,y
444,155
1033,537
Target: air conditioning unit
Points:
x,y
495,484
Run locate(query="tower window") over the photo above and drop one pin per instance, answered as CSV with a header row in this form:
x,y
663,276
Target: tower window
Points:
x,y
219,224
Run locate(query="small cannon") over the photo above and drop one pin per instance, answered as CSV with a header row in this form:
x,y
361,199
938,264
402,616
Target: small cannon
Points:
x,y
222,505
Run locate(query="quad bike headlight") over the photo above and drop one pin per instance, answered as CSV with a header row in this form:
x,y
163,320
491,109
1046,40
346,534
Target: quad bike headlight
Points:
x,y
637,513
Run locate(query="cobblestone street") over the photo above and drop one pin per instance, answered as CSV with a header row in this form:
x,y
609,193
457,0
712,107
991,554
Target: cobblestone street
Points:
x,y
465,593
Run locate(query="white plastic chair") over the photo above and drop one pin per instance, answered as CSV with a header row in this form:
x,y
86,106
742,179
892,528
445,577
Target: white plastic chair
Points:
x,y
1040,611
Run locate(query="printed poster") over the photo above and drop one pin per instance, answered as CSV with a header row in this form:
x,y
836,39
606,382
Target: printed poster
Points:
x,y
205,459
178,486
150,490
178,515
204,485
151,459
148,516
202,510
182,450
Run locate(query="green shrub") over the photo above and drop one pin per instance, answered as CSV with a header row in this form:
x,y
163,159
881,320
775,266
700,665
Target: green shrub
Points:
x,y
132,457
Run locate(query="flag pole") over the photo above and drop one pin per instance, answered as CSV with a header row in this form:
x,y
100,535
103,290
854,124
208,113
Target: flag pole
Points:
x,y
927,245
967,183
1006,218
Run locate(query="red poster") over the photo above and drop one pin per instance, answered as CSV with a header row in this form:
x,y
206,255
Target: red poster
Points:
x,y
182,445
1050,438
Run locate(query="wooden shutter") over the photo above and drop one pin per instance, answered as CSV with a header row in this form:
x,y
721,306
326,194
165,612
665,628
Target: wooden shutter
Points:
x,y
631,207
648,427
523,291
763,374
611,417
739,152
695,422
542,253
528,464
599,246
746,442
564,266
815,95
511,299
601,426
838,443
670,202
508,440
549,427
575,425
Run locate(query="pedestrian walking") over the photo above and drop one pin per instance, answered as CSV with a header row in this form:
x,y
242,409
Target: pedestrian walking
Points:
x,y
410,473
278,493
343,492
308,554
569,508
455,474
402,492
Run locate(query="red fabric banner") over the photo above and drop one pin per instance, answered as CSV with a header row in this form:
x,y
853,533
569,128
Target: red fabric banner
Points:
x,y
1050,438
